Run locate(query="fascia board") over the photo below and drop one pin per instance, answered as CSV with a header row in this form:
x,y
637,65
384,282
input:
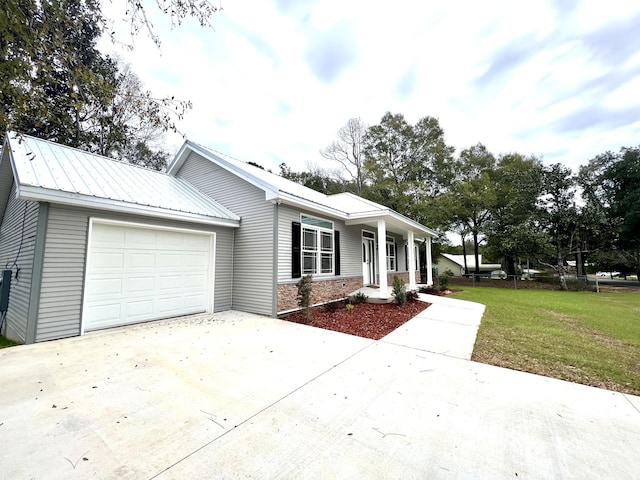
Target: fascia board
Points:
x,y
357,218
310,205
40,195
178,160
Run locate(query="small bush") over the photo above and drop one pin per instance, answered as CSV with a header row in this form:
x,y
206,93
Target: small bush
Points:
x,y
304,294
349,307
359,298
433,290
444,282
399,291
331,307
412,296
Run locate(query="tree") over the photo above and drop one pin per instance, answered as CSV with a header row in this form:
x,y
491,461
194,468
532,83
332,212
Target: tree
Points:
x,y
405,164
56,85
347,150
511,229
178,10
559,214
315,179
472,194
611,190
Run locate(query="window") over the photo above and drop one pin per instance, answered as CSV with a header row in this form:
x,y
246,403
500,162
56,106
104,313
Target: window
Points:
x,y
317,246
391,254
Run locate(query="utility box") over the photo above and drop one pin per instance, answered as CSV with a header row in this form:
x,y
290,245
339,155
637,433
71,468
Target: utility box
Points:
x,y
5,287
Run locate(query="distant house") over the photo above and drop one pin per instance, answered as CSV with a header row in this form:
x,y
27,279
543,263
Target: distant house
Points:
x,y
93,243
455,264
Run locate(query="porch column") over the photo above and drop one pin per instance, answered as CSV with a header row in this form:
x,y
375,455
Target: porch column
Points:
x,y
382,258
428,266
411,252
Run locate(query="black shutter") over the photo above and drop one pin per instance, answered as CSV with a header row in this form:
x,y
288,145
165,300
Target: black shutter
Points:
x,y
296,271
336,251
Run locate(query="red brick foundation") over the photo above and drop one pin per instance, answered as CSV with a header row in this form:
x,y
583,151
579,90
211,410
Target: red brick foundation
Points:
x,y
322,291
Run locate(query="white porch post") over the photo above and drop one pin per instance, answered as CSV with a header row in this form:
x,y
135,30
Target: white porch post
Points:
x,y
429,268
382,258
411,252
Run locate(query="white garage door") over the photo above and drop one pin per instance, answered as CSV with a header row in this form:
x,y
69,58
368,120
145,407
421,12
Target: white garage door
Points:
x,y
139,274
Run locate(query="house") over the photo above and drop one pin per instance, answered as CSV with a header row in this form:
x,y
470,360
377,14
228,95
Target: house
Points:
x,y
455,264
93,243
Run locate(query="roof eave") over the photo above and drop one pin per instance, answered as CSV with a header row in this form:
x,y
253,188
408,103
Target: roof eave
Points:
x,y
64,198
416,227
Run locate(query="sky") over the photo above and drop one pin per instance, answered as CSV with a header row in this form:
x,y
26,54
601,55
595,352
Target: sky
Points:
x,y
273,80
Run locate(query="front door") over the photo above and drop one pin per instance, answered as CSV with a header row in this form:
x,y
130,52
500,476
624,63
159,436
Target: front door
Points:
x,y
368,259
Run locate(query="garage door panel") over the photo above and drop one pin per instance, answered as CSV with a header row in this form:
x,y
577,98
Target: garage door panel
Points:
x,y
102,260
170,305
169,260
103,236
137,274
140,238
196,261
193,281
105,287
170,282
139,309
101,313
137,285
171,240
140,259
193,301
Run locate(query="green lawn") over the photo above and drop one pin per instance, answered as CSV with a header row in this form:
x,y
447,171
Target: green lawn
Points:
x,y
5,342
582,337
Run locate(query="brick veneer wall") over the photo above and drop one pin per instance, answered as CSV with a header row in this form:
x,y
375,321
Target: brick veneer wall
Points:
x,y
404,276
322,291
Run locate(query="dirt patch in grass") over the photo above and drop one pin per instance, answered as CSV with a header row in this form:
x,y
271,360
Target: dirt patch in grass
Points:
x,y
369,320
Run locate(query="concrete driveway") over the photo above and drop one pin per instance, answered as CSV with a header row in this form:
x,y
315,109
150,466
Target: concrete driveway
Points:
x,y
235,395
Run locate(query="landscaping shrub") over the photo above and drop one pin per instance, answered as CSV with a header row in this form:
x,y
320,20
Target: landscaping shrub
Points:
x,y
443,282
412,296
359,298
304,294
399,291
331,307
433,290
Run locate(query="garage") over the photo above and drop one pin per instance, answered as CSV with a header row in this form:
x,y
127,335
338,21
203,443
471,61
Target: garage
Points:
x,y
137,273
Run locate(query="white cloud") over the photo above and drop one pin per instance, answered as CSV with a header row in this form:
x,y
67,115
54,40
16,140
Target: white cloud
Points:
x,y
273,82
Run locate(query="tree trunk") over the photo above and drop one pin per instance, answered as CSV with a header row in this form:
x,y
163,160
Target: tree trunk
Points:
x,y
475,251
464,255
510,261
563,279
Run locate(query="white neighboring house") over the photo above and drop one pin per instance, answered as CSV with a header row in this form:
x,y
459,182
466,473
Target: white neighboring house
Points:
x,y
455,264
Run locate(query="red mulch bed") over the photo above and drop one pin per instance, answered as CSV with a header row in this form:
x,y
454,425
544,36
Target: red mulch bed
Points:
x,y
369,320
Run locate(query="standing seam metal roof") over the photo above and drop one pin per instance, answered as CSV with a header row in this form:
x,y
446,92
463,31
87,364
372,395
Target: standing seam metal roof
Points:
x,y
47,169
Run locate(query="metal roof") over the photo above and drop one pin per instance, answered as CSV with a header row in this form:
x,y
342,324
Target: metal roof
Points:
x,y
47,171
346,206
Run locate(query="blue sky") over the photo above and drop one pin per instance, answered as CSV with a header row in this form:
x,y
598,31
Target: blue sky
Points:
x,y
273,81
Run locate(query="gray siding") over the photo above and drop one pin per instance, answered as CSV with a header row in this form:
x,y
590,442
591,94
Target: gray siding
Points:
x,y
18,225
64,265
253,271
350,244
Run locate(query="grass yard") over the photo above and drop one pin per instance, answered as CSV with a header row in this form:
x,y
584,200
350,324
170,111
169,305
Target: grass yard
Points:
x,y
5,342
582,337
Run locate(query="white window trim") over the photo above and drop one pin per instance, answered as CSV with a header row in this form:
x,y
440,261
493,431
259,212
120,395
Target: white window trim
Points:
x,y
392,241
318,251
